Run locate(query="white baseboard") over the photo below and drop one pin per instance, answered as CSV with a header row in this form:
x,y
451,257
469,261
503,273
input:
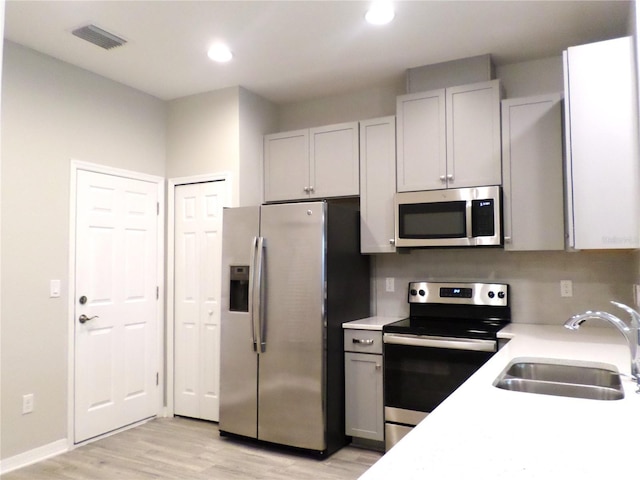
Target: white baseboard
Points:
x,y
33,456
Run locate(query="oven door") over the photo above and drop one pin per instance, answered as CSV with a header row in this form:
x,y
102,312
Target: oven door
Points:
x,y
421,371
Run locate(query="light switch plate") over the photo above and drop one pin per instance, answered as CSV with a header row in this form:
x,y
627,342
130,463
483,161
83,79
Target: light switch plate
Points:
x,y
54,289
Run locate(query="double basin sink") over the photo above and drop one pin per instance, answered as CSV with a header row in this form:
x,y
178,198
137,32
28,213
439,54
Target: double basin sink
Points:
x,y
565,378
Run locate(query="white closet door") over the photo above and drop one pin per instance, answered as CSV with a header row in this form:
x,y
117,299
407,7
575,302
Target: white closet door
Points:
x,y
198,250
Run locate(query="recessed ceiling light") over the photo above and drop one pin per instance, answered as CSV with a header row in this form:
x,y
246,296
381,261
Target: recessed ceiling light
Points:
x,y
220,53
380,13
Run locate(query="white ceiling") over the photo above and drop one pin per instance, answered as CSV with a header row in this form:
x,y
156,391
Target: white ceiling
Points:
x,y
289,51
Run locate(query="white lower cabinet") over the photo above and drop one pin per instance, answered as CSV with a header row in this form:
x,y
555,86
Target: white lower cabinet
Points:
x,y
363,385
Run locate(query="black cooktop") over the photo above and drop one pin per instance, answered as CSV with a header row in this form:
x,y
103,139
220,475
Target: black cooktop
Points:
x,y
450,327
463,310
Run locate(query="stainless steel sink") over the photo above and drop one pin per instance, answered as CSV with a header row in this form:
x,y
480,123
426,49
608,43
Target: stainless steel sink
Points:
x,y
563,378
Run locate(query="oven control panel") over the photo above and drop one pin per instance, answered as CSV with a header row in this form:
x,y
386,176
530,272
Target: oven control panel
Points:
x,y
490,294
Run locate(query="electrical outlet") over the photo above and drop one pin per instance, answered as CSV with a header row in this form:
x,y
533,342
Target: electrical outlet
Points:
x,y
27,403
566,288
390,284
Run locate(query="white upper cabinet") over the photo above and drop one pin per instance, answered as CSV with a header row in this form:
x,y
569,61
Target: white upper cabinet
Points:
x,y
473,135
603,171
319,162
286,165
377,184
533,181
449,138
335,161
421,141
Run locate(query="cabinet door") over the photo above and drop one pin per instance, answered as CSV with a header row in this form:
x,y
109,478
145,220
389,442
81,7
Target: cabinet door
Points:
x,y
335,161
603,172
533,185
286,166
473,135
363,396
421,147
377,185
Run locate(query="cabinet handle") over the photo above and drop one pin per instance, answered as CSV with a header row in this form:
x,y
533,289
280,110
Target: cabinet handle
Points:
x,y
306,189
443,178
368,341
311,189
392,241
507,239
378,366
450,177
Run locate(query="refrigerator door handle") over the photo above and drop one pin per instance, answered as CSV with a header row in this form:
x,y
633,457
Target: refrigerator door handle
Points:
x,y
252,286
258,297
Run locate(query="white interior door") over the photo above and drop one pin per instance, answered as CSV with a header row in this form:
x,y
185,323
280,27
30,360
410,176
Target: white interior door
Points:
x,y
116,273
198,256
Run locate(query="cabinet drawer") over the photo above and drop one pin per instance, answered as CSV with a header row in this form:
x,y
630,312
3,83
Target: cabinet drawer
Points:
x,y
365,341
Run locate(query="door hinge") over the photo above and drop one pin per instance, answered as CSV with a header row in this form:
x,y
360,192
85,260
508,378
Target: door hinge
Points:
x,y
157,293
157,208
157,379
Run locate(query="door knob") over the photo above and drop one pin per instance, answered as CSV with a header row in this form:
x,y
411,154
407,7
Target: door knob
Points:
x,y
84,319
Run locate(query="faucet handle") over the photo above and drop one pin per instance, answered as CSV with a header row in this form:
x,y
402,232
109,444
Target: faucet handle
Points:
x,y
635,316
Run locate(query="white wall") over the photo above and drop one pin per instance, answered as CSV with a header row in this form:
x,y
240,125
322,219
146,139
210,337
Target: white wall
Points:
x,y
51,113
532,78
220,132
519,80
371,103
257,117
202,133
534,278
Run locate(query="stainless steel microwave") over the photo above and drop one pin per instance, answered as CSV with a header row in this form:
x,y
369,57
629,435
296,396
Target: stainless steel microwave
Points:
x,y
457,217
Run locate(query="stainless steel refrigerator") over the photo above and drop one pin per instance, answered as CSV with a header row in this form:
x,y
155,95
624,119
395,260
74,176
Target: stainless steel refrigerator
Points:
x,y
292,274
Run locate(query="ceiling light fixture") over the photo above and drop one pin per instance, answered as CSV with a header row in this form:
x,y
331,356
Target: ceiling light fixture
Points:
x,y
220,53
381,12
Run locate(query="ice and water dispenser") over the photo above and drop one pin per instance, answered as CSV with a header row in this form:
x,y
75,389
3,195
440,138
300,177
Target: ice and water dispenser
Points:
x,y
239,288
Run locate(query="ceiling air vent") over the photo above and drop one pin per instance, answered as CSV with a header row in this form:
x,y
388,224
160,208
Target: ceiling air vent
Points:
x,y
99,37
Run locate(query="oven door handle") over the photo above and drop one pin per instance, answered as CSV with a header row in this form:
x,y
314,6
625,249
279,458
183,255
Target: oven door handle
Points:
x,y
441,342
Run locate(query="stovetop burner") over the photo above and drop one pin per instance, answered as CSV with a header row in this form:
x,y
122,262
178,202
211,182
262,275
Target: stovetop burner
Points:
x,y
463,310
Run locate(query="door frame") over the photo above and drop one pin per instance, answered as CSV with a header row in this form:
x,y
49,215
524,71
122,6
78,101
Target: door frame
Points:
x,y
75,166
173,183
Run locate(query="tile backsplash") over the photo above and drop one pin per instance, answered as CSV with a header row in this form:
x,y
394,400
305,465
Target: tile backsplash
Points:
x,y
534,279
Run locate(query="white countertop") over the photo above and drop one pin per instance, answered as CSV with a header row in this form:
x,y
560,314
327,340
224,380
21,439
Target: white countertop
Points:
x,y
370,323
483,432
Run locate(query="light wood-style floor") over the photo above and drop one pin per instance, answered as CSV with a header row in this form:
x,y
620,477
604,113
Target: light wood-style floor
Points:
x,y
180,448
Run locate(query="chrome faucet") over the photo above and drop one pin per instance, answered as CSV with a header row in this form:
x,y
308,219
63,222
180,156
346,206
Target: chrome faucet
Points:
x,y
631,333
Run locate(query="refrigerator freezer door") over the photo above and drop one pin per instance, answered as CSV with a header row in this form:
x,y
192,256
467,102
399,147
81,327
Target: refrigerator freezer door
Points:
x,y
238,360
291,384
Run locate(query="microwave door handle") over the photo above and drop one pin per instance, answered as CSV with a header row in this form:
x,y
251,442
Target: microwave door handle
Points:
x,y
469,219
260,324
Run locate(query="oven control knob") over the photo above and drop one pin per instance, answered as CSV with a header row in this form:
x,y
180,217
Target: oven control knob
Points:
x,y
413,292
491,294
500,294
422,293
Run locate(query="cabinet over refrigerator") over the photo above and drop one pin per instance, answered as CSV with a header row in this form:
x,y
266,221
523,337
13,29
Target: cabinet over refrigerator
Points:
x,y
292,274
